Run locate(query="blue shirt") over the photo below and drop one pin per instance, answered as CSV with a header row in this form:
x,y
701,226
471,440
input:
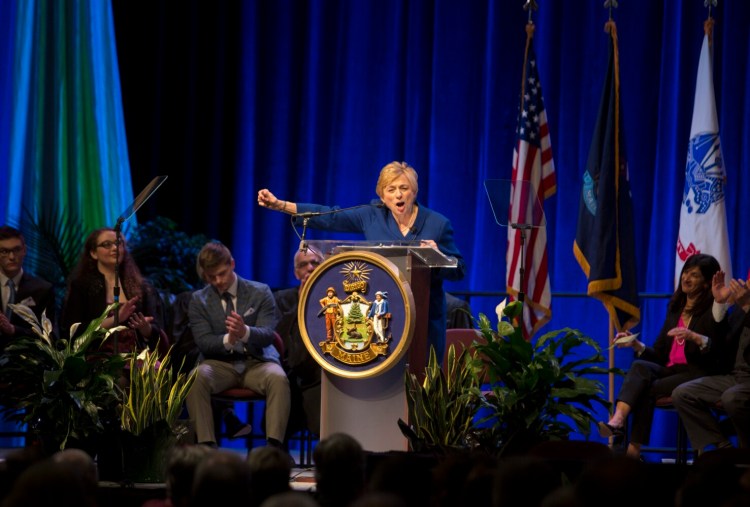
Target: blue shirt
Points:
x,y
377,224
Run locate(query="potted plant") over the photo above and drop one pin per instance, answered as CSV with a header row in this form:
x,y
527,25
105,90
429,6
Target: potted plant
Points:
x,y
507,394
443,406
69,394
167,255
150,417
537,391
65,390
53,241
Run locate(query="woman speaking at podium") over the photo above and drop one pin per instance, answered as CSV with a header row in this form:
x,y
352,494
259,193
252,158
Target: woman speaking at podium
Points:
x,y
397,217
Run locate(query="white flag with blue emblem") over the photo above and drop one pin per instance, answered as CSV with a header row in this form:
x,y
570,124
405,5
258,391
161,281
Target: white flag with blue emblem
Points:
x,y
703,216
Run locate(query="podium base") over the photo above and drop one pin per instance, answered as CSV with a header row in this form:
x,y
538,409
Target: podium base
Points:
x,y
366,408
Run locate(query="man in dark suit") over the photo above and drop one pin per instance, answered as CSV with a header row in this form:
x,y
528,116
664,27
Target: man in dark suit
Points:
x,y
696,400
20,287
233,322
303,370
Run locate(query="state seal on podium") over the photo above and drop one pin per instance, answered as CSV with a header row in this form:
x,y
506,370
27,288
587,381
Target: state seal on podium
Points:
x,y
356,314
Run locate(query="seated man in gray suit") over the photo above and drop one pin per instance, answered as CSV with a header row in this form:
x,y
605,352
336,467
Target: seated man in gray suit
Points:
x,y
233,322
696,400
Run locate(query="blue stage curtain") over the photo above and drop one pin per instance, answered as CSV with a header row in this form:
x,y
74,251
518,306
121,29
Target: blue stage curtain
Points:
x,y
63,141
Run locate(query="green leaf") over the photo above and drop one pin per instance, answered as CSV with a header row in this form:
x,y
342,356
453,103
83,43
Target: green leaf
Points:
x,y
505,328
61,390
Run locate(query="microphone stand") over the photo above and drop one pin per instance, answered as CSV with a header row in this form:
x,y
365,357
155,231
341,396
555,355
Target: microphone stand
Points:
x,y
303,243
522,270
116,288
140,199
116,317
145,194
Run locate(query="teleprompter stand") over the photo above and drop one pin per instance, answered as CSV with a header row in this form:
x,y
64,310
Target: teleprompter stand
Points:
x,y
515,205
139,201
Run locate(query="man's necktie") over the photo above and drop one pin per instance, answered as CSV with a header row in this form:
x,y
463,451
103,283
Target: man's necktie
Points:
x,y
11,297
227,297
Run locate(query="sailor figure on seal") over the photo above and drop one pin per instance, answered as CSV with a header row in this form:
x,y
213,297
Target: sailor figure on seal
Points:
x,y
377,313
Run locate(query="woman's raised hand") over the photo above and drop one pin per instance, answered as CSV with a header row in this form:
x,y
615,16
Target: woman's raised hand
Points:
x,y
266,199
722,294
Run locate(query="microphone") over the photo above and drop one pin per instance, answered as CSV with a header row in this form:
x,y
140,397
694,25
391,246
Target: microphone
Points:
x,y
312,214
306,216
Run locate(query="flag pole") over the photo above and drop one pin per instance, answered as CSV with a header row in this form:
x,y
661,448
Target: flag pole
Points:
x,y
533,180
611,28
708,26
709,4
611,363
530,6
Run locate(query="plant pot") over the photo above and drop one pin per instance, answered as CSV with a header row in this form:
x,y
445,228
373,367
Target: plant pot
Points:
x,y
44,437
145,455
141,458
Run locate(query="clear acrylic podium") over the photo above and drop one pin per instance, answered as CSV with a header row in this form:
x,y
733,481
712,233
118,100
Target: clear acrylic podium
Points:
x,y
367,400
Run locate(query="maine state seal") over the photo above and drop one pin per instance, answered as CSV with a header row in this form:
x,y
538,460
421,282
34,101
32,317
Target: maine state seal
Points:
x,y
356,314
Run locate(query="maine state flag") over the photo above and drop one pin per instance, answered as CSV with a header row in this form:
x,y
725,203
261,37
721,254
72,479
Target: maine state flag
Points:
x,y
604,239
703,216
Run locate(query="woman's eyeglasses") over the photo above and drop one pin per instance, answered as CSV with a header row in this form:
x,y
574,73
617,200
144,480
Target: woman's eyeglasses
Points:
x,y
106,244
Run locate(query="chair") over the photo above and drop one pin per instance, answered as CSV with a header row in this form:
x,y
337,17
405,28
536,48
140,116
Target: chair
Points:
x,y
460,338
681,448
243,394
729,456
458,312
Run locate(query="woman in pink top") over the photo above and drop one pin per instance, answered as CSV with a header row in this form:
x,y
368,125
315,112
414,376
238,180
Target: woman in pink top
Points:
x,y
681,352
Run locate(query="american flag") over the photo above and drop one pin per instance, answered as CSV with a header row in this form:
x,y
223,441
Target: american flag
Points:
x,y
532,182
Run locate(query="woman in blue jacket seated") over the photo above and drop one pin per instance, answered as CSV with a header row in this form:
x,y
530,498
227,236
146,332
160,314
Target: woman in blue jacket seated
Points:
x,y
397,217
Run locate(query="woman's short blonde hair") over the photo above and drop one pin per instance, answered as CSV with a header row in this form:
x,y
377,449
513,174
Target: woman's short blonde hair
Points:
x,y
392,171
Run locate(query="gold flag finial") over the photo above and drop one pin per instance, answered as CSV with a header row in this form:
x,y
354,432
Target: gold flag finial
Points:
x,y
530,5
708,25
610,4
709,4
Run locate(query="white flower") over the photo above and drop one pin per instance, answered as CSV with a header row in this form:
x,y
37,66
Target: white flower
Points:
x,y
499,309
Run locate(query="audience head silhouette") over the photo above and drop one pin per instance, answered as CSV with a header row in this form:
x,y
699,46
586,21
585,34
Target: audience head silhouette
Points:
x,y
221,478
270,471
49,482
339,470
181,466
